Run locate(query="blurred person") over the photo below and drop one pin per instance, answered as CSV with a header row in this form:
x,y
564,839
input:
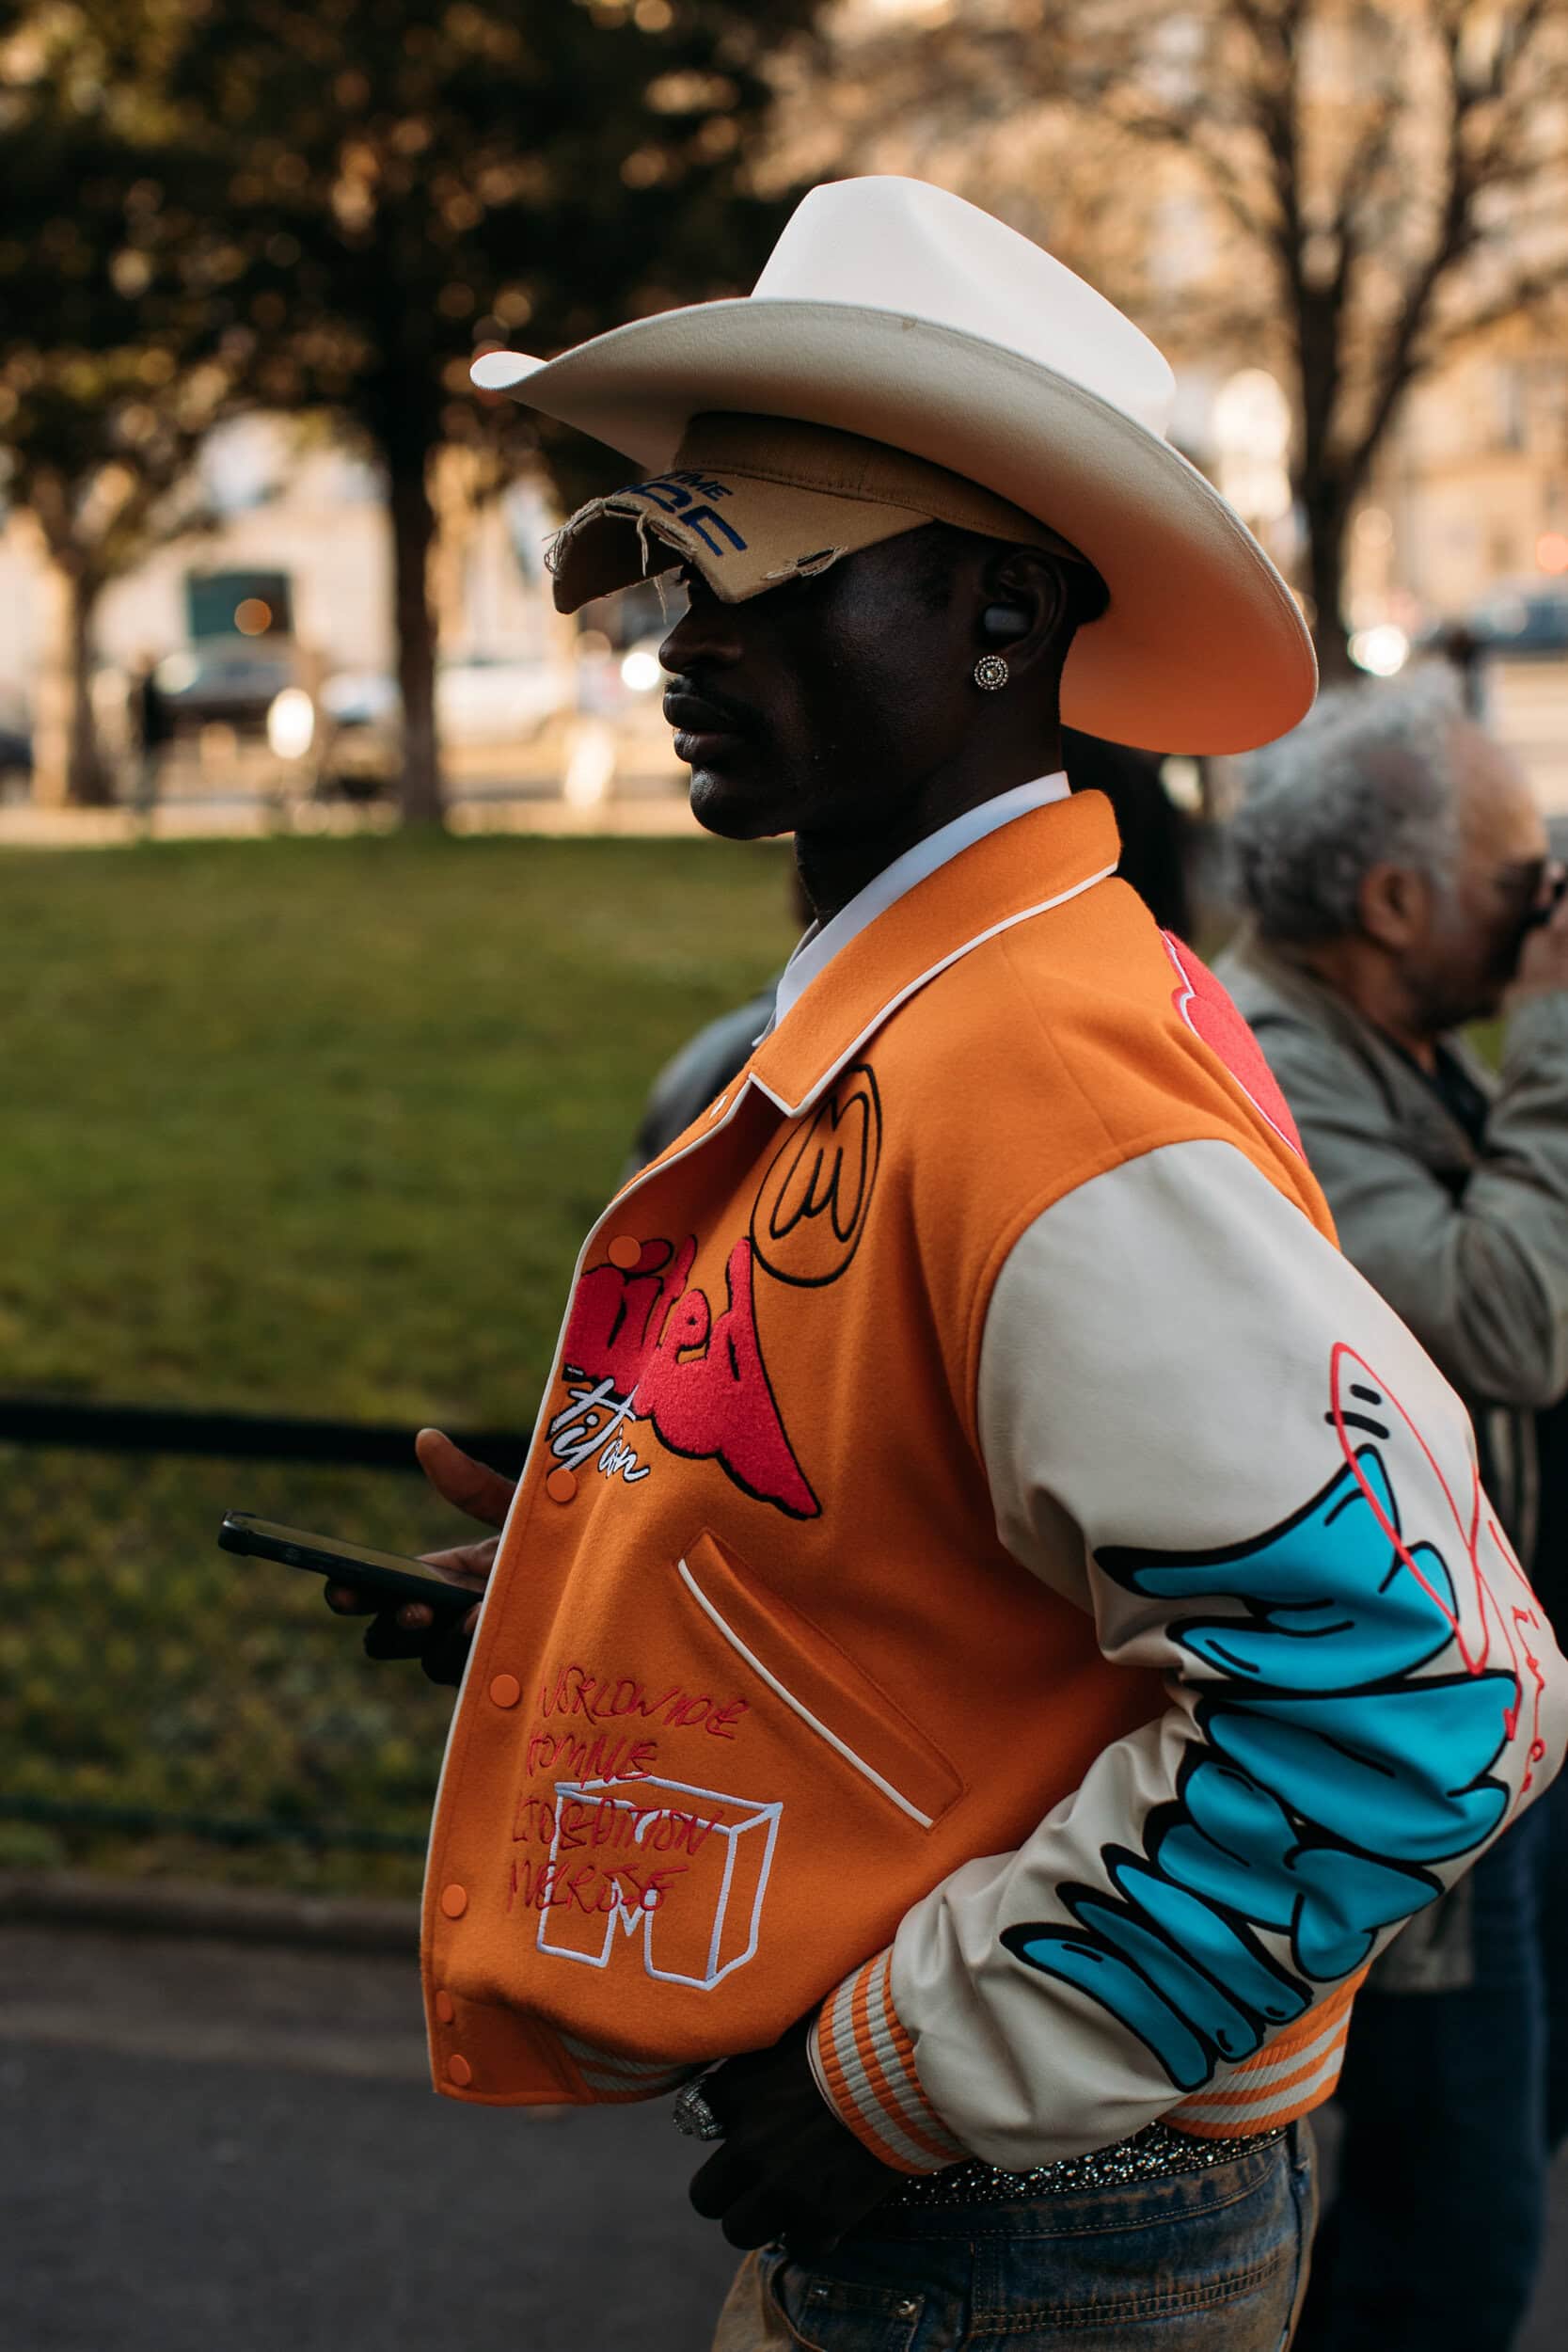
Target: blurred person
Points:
x,y
1395,870
1467,655
944,1698
151,716
1153,860
703,1066
1152,831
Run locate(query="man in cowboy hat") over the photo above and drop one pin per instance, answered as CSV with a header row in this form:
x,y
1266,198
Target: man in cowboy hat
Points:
x,y
998,1623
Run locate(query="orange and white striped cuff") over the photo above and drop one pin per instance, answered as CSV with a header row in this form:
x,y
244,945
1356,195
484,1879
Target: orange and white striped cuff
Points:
x,y
610,2077
864,2062
1289,2076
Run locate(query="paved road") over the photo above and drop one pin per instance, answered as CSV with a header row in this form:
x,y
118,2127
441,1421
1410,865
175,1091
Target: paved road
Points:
x,y
221,2148
210,2148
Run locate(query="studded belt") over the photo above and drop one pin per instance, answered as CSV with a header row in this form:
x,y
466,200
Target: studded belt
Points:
x,y
1157,2152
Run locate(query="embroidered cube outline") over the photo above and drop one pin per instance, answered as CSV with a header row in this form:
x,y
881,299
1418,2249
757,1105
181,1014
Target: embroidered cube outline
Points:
x,y
707,1925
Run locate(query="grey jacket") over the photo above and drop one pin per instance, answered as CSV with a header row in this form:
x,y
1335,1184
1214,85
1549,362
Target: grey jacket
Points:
x,y
1469,1247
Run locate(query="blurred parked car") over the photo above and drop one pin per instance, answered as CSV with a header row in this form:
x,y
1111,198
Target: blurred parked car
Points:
x,y
1523,621
356,750
226,678
491,700
1528,619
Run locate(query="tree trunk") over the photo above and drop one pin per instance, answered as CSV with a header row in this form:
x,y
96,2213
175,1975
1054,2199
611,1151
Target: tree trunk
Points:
x,y
412,536
1327,520
69,768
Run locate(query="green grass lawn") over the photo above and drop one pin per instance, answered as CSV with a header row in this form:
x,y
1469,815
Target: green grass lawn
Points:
x,y
309,1127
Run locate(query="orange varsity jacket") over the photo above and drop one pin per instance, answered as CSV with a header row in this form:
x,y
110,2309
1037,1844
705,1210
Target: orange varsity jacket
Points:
x,y
987,1570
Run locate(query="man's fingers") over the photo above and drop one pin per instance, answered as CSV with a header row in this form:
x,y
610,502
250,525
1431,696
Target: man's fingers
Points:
x,y
458,1479
721,2180
759,2217
350,1601
446,1651
468,1560
386,1638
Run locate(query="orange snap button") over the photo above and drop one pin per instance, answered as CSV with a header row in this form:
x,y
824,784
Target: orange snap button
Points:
x,y
624,1252
446,2008
561,1484
455,1901
461,2072
506,1690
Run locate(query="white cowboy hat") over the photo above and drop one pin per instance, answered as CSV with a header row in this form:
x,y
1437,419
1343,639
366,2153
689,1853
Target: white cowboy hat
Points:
x,y
894,310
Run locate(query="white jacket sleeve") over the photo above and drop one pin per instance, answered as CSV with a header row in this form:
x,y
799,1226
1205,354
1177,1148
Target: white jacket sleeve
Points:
x,y
1201,1424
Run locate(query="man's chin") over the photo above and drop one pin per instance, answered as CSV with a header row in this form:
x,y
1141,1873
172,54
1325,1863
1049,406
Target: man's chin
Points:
x,y
735,810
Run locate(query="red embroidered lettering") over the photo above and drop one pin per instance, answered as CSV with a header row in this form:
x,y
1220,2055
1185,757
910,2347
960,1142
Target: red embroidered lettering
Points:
x,y
615,1316
719,1406
721,1723
700,1379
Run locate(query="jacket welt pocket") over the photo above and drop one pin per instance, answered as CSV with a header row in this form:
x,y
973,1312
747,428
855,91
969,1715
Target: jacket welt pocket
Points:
x,y
808,1674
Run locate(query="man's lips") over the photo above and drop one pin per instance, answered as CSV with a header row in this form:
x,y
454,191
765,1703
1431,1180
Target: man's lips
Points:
x,y
701,725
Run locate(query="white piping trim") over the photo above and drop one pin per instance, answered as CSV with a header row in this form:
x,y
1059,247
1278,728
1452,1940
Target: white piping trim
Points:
x,y
795,1706
992,930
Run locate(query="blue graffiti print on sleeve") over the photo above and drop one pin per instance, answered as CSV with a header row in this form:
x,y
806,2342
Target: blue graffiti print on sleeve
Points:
x,y
1331,1772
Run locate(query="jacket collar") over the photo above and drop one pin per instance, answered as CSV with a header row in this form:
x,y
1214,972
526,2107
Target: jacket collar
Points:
x,y
1036,862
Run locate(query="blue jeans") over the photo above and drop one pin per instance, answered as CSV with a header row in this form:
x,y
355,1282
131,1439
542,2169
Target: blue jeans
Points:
x,y
1453,2102
1206,2262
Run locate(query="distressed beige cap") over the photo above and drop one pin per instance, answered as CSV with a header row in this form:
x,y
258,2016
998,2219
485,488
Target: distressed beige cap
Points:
x,y
752,502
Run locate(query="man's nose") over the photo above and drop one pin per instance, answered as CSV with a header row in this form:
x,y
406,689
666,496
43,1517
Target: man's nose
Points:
x,y
706,632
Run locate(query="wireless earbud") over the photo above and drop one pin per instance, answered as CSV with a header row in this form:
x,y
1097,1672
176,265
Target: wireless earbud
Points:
x,y
1003,622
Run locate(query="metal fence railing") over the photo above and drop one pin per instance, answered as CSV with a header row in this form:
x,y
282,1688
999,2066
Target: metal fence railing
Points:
x,y
163,1703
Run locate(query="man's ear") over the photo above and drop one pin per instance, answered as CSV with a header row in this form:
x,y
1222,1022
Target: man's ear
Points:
x,y
1395,905
1023,611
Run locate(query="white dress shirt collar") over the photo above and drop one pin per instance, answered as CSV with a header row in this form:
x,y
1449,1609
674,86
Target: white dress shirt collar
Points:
x,y
821,945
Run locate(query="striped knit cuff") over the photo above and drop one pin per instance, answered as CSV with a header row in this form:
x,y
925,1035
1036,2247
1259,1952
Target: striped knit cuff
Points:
x,y
1289,2076
608,2076
864,2062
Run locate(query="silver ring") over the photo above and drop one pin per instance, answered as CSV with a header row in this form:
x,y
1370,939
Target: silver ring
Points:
x,y
695,2117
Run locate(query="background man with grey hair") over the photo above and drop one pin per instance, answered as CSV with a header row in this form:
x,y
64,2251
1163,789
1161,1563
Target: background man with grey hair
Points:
x,y
1395,872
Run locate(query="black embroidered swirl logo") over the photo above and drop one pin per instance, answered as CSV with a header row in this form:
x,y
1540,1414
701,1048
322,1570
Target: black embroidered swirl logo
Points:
x,y
816,1194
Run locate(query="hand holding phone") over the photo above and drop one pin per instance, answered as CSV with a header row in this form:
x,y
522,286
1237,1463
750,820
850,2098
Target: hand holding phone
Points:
x,y
412,1629
383,1574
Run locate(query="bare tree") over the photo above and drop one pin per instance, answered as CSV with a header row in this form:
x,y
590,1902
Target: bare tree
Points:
x,y
109,370
1381,181
102,458
392,187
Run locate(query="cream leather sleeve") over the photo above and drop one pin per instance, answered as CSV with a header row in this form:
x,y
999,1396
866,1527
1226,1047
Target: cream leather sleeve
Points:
x,y
1200,1421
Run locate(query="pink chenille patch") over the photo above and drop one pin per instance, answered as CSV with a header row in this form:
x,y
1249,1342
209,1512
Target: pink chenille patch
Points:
x,y
1210,1015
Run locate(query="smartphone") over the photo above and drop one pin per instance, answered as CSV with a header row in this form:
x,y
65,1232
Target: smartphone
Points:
x,y
388,1572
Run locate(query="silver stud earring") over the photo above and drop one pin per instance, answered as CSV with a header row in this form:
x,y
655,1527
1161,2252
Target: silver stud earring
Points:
x,y
990,672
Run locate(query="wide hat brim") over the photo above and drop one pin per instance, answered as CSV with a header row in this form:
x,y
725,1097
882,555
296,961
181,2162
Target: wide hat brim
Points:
x,y
1202,649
